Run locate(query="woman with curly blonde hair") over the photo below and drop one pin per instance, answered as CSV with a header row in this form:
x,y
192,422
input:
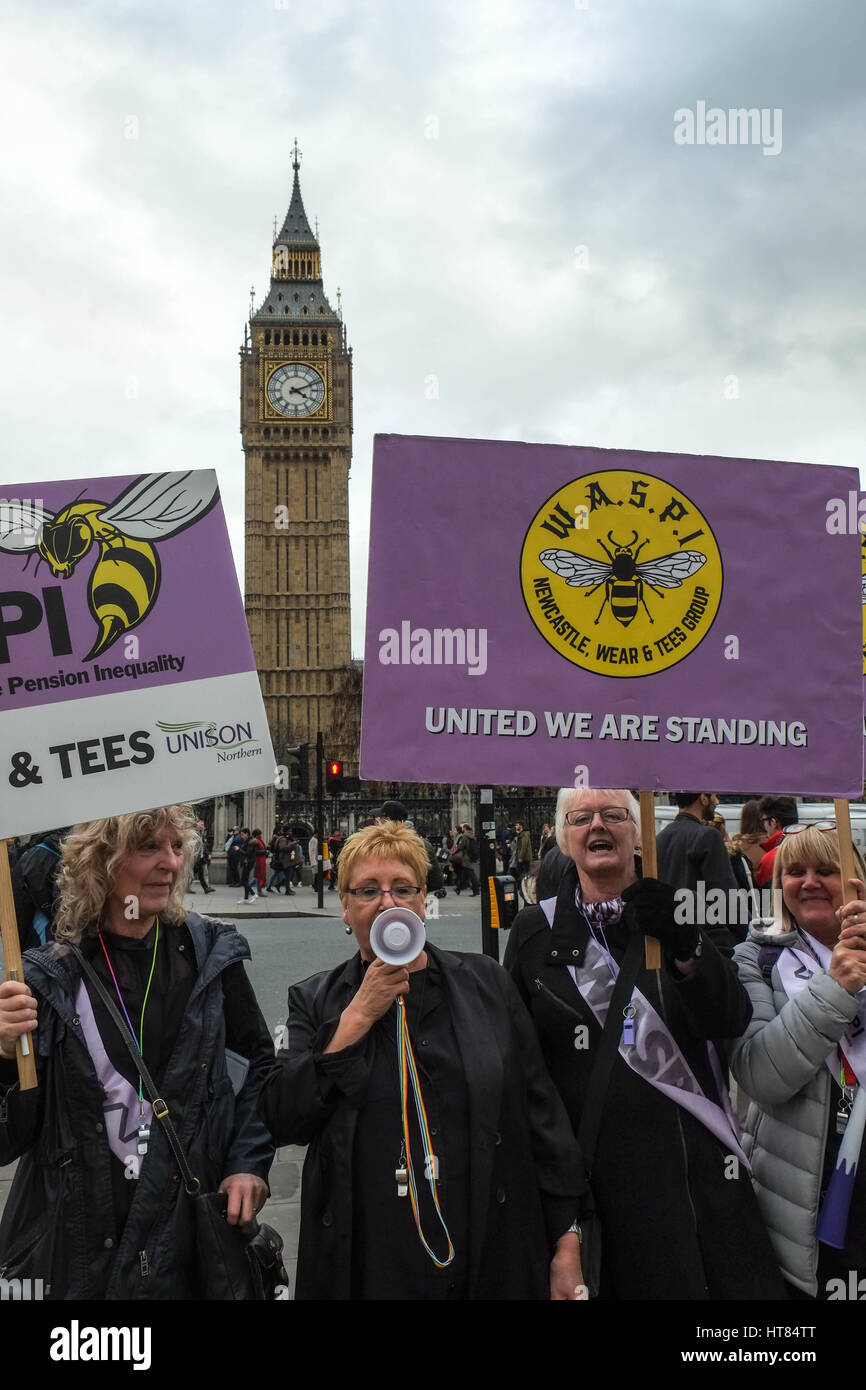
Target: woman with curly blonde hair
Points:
x,y
97,1209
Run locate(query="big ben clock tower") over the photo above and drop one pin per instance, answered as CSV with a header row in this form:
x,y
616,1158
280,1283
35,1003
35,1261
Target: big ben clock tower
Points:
x,y
296,427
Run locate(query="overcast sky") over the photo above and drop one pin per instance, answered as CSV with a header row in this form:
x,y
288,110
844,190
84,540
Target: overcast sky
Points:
x,y
500,198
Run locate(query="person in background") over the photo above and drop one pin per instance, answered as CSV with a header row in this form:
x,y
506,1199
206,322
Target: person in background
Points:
x,y
335,844
521,852
249,850
34,887
234,857
277,872
292,858
506,837
744,848
202,858
691,852
547,841
746,841
260,869
675,1223
464,857
777,812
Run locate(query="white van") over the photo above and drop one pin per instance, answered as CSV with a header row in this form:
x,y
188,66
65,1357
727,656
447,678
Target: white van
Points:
x,y
810,812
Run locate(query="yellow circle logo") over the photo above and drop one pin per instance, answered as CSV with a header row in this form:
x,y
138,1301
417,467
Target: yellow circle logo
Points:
x,y
621,573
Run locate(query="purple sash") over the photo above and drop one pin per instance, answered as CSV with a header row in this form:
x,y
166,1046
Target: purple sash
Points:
x,y
654,1055
796,968
122,1109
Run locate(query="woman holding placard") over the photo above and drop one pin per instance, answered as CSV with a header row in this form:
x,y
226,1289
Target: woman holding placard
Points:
x,y
97,1208
630,1052
441,1164
802,1061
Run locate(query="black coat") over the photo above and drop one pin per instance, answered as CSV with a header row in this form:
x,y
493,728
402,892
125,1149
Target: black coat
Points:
x,y
59,1212
690,852
526,1179
678,1219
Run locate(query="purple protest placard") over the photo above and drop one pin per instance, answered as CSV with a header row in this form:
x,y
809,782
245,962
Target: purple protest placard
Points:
x,y
127,677
540,615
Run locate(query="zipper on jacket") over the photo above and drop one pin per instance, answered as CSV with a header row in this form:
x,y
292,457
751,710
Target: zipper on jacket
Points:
x,y
144,1263
545,989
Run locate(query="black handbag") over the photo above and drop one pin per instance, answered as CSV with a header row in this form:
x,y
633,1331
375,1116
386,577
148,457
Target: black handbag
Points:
x,y
234,1263
242,1263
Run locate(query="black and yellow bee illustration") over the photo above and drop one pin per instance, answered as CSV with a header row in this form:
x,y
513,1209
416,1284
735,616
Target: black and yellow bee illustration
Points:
x,y
125,580
623,578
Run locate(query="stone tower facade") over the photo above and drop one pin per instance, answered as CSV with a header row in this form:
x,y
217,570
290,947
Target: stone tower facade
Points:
x,y
296,427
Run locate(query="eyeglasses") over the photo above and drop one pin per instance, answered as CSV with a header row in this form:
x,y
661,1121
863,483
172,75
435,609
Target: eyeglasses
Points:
x,y
370,893
611,815
814,825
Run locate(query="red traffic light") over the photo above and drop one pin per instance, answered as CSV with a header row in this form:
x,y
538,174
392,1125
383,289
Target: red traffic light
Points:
x,y
334,776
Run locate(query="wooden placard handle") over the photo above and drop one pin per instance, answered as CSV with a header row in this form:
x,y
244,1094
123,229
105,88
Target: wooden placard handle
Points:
x,y
650,868
846,849
14,968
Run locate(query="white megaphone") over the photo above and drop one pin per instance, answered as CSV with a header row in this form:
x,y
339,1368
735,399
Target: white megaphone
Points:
x,y
397,936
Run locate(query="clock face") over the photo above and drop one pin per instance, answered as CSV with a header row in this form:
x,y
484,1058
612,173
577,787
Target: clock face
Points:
x,y
296,389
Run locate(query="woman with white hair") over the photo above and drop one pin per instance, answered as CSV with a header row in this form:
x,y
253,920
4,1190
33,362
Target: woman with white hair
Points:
x,y
630,1051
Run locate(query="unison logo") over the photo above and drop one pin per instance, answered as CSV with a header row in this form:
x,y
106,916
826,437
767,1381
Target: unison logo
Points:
x,y
739,125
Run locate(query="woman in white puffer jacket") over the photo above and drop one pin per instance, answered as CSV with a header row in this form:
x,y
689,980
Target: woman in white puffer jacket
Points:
x,y
803,1053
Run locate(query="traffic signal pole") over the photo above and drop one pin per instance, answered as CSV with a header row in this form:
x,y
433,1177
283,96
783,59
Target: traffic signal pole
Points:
x,y
320,818
486,834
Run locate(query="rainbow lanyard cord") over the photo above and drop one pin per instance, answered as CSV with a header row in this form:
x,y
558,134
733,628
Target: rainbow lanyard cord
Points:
x,y
139,1036
407,1068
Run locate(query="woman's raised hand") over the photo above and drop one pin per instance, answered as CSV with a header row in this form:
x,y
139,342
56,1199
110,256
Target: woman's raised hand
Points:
x,y
848,961
381,985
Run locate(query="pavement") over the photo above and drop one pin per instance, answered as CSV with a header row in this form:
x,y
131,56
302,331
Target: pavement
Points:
x,y
223,902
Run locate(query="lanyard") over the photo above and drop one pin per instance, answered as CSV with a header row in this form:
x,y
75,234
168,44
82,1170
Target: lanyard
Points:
x,y
407,1070
139,1037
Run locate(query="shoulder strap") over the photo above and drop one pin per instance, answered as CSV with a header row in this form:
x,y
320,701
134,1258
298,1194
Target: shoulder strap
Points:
x,y
160,1109
590,1120
767,957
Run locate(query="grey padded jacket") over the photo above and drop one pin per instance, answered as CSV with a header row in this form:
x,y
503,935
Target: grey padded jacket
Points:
x,y
780,1063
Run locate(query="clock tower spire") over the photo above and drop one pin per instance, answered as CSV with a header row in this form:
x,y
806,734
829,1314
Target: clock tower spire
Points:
x,y
296,428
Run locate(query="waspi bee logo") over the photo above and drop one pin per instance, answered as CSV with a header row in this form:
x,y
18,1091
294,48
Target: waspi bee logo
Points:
x,y
621,573
126,575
